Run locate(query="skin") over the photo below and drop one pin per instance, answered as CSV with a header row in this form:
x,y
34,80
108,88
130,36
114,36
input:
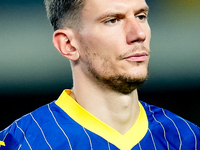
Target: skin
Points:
x,y
109,56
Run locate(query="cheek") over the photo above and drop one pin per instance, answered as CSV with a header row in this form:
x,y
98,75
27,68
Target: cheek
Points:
x,y
102,63
101,37
101,47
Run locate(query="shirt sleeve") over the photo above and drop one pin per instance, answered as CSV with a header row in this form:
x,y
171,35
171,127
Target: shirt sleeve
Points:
x,y
8,141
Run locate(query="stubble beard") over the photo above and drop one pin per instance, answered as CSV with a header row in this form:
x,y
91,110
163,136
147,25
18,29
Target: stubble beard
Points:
x,y
119,83
122,84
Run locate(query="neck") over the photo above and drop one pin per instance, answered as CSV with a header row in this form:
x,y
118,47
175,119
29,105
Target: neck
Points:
x,y
119,111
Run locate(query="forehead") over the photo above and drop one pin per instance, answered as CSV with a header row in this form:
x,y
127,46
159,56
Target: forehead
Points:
x,y
101,6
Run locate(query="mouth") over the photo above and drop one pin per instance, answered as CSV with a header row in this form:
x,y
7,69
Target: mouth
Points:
x,y
137,57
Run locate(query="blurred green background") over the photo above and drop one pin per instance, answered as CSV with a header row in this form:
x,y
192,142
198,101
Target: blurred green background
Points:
x,y
33,73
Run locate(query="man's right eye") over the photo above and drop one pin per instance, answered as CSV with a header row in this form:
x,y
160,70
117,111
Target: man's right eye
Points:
x,y
112,21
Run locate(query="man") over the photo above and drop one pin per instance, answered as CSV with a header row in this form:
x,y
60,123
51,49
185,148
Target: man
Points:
x,y
107,43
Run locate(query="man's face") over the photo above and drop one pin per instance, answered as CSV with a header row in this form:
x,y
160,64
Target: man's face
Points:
x,y
114,43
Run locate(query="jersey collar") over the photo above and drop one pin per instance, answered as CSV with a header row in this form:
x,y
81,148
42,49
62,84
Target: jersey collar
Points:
x,y
90,122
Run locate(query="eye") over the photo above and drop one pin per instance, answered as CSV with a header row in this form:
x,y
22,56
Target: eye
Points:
x,y
142,17
112,21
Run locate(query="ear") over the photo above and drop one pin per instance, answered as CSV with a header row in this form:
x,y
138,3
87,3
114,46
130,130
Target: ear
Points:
x,y
64,41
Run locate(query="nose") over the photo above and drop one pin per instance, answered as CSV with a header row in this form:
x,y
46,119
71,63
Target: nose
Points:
x,y
134,31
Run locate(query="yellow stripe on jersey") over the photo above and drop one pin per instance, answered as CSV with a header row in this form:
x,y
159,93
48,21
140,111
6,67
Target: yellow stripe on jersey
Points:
x,y
2,143
90,122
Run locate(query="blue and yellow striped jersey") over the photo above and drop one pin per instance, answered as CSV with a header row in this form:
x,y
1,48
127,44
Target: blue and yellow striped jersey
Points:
x,y
65,125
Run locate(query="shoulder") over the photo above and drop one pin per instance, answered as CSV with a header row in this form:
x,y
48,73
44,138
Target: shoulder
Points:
x,y
164,116
157,115
19,132
173,128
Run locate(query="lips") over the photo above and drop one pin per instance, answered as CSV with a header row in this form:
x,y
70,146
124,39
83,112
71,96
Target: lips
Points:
x,y
137,57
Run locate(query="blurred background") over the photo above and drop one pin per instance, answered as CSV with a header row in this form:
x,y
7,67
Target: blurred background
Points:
x,y
33,73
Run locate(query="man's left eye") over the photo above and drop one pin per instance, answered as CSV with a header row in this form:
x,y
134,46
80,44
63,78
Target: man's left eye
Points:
x,y
141,17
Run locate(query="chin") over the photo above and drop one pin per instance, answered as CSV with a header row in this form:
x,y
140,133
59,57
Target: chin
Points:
x,y
139,74
124,84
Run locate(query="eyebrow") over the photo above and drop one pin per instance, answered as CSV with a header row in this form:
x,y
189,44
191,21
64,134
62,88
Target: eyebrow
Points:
x,y
108,14
145,9
117,14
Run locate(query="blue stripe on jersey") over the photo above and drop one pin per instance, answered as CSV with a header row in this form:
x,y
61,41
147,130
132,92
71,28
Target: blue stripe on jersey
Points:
x,y
169,131
49,127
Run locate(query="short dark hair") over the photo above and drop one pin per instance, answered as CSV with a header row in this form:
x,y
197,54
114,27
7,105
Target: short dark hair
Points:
x,y
63,13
